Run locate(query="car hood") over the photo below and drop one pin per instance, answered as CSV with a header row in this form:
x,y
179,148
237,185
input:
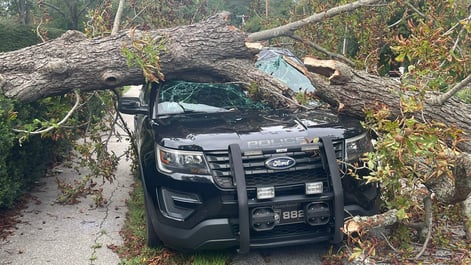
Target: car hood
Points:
x,y
251,130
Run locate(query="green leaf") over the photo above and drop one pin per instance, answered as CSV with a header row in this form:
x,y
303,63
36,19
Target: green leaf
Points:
x,y
357,252
400,58
401,214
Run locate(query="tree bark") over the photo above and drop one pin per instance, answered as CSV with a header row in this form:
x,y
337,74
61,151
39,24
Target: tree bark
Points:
x,y
207,51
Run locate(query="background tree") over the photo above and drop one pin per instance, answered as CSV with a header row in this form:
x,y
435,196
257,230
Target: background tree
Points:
x,y
21,9
24,11
68,14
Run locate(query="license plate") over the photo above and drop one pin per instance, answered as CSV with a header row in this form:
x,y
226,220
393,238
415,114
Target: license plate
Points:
x,y
289,214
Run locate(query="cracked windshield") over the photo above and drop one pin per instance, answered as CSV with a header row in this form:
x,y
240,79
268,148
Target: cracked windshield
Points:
x,y
183,97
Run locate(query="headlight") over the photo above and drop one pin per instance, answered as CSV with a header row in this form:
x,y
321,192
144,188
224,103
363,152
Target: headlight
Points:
x,y
357,146
179,161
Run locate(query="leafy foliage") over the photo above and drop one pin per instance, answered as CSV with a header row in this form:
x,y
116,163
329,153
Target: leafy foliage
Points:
x,y
92,153
145,53
9,187
25,158
409,153
99,21
430,43
10,35
22,164
28,153
147,14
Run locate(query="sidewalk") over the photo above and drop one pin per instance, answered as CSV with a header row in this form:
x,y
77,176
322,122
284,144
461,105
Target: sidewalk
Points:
x,y
54,234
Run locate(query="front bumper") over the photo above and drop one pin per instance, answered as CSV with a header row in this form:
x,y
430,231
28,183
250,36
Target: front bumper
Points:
x,y
220,233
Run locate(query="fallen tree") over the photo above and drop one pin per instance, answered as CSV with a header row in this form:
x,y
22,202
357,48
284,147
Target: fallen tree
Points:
x,y
207,51
213,50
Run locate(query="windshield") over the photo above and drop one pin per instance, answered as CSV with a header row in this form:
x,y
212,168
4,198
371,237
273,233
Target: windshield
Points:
x,y
182,97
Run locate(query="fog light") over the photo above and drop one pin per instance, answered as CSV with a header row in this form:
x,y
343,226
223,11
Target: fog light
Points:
x,y
263,219
314,188
265,193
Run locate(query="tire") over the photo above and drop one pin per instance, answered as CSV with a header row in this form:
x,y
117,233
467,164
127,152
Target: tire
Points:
x,y
152,240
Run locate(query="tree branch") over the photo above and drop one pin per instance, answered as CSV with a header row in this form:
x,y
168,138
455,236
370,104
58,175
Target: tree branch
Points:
x,y
358,224
440,99
71,111
117,18
321,49
427,223
287,29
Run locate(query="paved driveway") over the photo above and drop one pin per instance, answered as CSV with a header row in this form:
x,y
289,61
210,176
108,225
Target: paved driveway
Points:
x,y
50,233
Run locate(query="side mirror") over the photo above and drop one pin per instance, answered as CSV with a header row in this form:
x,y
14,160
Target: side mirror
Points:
x,y
131,105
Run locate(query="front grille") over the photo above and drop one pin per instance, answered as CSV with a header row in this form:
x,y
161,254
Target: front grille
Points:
x,y
309,167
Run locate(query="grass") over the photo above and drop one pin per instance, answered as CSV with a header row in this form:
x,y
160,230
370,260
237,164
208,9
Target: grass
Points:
x,y
135,252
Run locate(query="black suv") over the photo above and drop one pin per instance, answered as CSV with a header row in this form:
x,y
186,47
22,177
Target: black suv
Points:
x,y
220,170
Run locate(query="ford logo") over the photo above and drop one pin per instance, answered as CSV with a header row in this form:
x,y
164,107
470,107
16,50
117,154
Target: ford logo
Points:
x,y
282,162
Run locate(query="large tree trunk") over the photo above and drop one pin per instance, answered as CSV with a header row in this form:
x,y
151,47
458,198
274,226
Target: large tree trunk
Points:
x,y
211,50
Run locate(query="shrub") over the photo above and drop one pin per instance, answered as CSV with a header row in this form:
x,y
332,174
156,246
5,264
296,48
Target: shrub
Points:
x,y
15,36
22,163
